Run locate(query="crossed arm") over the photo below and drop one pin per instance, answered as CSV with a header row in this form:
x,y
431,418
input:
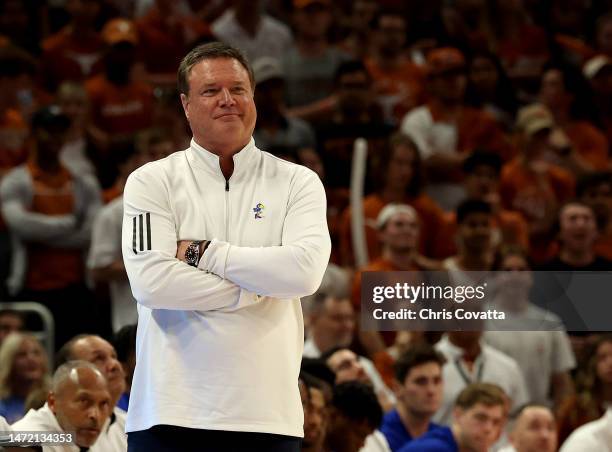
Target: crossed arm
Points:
x,y
228,276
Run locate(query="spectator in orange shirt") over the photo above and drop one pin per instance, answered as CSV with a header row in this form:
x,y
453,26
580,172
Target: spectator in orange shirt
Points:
x,y
49,212
74,52
565,92
446,128
481,182
531,185
120,106
398,227
397,81
400,182
165,35
490,88
595,189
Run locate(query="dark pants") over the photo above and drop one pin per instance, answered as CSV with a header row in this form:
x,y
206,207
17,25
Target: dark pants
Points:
x,y
168,438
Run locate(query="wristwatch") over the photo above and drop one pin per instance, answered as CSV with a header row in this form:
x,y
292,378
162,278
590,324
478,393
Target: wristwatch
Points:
x,y
192,253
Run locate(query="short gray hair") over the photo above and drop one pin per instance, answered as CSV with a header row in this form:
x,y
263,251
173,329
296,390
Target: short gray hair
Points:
x,y
209,51
64,372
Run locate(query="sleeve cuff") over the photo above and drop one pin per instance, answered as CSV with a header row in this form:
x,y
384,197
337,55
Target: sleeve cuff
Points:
x,y
214,259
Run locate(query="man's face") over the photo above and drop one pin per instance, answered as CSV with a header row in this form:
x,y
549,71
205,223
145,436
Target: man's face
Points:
x,y
604,37
335,325
9,323
391,34
316,419
347,435
421,391
449,86
481,182
604,362
401,167
552,91
345,364
49,141
401,232
220,106
475,232
101,354
313,21
354,95
535,431
480,426
578,228
82,405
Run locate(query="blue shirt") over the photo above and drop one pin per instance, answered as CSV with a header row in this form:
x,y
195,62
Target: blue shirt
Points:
x,y
12,408
437,440
395,432
124,401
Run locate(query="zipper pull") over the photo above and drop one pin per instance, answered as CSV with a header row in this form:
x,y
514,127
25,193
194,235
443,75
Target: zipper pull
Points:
x,y
226,185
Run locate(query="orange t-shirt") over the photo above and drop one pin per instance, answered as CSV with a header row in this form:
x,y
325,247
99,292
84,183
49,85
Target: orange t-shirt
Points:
x,y
400,89
476,129
13,133
508,228
520,190
430,214
69,57
120,110
52,268
589,142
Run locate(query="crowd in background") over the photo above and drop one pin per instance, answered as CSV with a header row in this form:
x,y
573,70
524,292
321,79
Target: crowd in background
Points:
x,y
488,127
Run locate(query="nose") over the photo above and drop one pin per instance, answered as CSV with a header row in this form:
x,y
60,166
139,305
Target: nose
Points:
x,y
226,98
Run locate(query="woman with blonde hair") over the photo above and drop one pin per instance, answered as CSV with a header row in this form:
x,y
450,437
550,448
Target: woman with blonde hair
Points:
x,y
23,369
593,390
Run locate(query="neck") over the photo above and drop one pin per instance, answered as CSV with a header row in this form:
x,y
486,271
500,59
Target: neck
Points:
x,y
387,60
470,350
606,393
475,262
392,194
402,260
511,301
561,114
577,258
321,342
75,132
48,164
415,424
22,388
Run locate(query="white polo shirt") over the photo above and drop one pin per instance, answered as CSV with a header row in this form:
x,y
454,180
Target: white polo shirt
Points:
x,y
219,346
491,366
595,436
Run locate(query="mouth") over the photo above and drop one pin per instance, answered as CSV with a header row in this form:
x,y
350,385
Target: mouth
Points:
x,y
227,116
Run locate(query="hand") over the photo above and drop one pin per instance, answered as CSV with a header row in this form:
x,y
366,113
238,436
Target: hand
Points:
x,y
181,248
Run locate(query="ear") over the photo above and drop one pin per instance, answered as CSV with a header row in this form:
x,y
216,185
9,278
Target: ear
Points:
x,y
51,401
396,387
185,102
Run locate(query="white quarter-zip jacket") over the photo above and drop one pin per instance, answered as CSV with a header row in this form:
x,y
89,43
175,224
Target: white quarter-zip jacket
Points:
x,y
219,346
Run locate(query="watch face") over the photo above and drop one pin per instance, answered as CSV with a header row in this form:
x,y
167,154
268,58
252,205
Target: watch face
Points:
x,y
191,254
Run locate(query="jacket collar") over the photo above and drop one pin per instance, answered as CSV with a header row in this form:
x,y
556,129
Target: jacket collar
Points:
x,y
243,159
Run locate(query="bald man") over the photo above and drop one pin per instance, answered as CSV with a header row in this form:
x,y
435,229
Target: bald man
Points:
x,y
534,430
101,354
79,403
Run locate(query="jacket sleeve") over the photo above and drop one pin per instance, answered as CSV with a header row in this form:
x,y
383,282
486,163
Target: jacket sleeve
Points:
x,y
295,268
30,226
149,244
89,203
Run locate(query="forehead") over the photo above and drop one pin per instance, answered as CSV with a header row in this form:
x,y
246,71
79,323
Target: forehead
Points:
x,y
91,344
218,71
537,413
431,368
491,411
316,397
402,217
576,209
